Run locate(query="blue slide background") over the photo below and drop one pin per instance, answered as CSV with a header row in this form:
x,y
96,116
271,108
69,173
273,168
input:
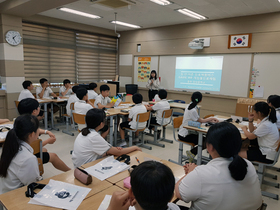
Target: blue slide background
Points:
x,y
198,79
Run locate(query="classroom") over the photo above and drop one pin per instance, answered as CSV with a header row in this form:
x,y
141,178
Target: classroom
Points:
x,y
58,45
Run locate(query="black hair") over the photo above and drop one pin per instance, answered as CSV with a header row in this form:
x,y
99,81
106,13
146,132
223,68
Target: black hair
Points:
x,y
66,81
81,92
93,119
153,71
26,84
226,140
27,106
152,184
92,85
137,98
23,126
104,88
274,100
196,98
43,80
162,94
265,111
75,88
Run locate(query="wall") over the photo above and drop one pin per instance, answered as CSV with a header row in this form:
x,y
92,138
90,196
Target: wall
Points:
x,y
173,40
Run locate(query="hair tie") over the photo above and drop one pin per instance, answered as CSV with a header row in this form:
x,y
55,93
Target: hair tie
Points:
x,y
196,100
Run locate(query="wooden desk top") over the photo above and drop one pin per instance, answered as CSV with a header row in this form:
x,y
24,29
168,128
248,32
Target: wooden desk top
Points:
x,y
16,199
176,105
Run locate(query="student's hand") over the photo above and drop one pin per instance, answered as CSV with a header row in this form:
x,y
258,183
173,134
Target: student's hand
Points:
x,y
244,128
111,104
214,120
50,134
192,166
186,168
138,148
51,140
119,148
120,201
251,116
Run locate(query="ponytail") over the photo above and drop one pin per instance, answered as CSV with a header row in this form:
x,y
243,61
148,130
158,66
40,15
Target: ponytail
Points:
x,y
238,168
226,140
85,131
10,149
272,116
196,98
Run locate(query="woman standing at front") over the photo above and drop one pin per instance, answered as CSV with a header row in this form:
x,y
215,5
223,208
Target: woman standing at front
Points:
x,y
153,85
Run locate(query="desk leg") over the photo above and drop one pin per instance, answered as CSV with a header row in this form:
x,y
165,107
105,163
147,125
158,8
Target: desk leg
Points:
x,y
199,151
46,115
116,130
52,123
111,130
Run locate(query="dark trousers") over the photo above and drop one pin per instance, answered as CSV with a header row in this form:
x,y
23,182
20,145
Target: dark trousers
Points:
x,y
152,94
192,138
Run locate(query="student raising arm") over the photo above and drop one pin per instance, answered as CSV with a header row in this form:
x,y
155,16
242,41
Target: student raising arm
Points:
x,y
90,145
18,165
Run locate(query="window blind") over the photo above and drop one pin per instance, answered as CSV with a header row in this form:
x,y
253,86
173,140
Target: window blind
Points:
x,y
59,54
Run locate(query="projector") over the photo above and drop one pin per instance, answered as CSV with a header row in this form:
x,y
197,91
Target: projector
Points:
x,y
196,44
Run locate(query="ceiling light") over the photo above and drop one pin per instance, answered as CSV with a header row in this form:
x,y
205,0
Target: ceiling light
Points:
x,y
191,14
76,12
125,24
162,2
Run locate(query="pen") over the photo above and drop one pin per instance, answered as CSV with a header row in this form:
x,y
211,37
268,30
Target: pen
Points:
x,y
74,196
137,160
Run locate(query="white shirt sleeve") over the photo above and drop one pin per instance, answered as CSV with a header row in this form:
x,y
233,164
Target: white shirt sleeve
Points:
x,y
38,91
156,107
29,171
97,101
61,90
49,89
108,100
101,146
131,113
194,115
261,130
148,85
156,83
190,187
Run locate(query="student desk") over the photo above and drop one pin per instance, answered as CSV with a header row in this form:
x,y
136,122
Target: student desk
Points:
x,y
204,130
10,122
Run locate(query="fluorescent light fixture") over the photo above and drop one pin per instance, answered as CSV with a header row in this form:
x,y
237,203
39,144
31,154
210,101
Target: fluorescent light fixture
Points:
x,y
125,24
191,14
163,2
76,12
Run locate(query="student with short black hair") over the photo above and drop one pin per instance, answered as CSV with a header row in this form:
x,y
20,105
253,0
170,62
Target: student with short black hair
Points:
x,y
274,101
132,118
90,145
102,100
153,85
72,99
159,107
18,165
264,137
26,92
227,181
92,91
66,89
31,106
44,91
191,114
152,188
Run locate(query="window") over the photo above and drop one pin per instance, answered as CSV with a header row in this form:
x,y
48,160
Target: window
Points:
x,y
59,54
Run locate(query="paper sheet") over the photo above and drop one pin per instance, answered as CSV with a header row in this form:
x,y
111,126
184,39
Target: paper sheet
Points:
x,y
258,92
106,201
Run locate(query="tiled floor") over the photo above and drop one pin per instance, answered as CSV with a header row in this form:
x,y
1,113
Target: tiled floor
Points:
x,y
64,144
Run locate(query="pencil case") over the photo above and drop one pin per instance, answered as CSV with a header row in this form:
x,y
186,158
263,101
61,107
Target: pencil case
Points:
x,y
126,182
82,176
194,124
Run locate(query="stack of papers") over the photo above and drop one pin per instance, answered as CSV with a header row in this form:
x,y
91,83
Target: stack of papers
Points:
x,y
107,168
106,201
60,195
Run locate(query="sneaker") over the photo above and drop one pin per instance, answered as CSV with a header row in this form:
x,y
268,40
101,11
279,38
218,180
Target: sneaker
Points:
x,y
190,156
122,144
158,134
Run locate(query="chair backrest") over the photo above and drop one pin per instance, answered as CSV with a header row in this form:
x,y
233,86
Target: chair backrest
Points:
x,y
179,101
263,206
38,148
92,100
177,122
209,115
167,113
79,118
16,104
142,117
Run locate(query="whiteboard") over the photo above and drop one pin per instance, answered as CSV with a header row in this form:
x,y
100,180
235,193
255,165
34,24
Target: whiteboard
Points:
x,y
154,66
235,74
268,65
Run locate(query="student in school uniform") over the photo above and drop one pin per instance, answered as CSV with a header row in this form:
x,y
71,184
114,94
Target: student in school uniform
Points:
x,y
66,89
227,181
153,85
274,101
152,187
90,145
4,121
191,114
31,106
102,100
264,137
72,99
26,92
159,107
132,120
18,165
44,91
92,90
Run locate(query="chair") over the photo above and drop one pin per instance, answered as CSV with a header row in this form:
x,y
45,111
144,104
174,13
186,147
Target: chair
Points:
x,y
16,104
38,148
177,114
261,174
92,100
263,206
209,115
165,115
68,119
140,118
177,122
79,119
